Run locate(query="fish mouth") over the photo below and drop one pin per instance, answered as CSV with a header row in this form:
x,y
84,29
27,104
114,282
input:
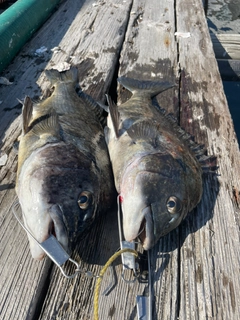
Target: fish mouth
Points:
x,y
55,227
58,228
145,231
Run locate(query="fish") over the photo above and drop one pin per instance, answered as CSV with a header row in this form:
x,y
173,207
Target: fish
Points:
x,y
64,176
157,166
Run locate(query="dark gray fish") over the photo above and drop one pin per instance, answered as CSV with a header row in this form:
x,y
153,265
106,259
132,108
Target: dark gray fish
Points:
x,y
64,177
156,170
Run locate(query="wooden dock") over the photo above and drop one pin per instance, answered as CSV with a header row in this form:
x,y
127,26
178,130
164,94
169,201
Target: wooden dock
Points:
x,y
224,27
196,268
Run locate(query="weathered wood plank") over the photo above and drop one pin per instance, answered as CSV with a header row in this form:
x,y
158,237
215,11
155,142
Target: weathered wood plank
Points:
x,y
198,74
19,274
90,35
150,49
194,267
150,52
209,288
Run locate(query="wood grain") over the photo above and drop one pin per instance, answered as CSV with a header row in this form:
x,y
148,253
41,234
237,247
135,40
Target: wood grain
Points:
x,y
72,29
150,52
194,268
208,285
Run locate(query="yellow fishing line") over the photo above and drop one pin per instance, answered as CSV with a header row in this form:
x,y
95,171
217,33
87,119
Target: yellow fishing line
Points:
x,y
99,279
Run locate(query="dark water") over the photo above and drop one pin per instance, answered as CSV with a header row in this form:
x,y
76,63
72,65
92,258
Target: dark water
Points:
x,y
232,92
223,16
222,10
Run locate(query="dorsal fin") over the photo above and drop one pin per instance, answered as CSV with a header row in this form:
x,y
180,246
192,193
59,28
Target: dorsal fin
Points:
x,y
208,163
146,130
26,114
47,124
114,114
196,148
149,88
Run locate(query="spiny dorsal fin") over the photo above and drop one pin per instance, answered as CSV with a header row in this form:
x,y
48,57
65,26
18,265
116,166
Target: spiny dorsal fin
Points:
x,y
114,114
171,118
47,124
96,107
26,114
150,88
55,76
146,130
208,163
196,148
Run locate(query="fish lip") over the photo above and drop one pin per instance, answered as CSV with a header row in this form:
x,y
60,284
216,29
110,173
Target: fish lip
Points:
x,y
146,234
58,228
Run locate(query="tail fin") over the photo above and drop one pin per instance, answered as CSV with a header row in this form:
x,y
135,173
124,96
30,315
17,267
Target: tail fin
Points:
x,y
55,76
150,88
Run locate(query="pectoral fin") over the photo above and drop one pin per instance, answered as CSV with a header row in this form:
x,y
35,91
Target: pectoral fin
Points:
x,y
47,125
144,130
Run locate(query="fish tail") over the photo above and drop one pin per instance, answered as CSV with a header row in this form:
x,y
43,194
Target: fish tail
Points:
x,y
55,76
150,88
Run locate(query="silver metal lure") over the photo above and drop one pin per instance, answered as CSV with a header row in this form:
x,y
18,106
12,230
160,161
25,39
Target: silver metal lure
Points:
x,y
128,259
144,303
53,249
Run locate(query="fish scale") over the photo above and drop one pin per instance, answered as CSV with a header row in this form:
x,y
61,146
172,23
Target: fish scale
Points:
x,y
64,176
157,167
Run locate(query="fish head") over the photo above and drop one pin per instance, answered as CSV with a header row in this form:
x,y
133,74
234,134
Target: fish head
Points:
x,y
59,193
75,195
156,194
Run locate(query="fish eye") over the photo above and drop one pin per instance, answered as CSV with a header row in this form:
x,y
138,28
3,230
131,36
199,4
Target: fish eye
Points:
x,y
84,200
174,205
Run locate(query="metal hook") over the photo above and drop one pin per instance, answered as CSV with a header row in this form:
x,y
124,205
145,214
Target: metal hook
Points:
x,y
52,248
112,283
144,303
128,260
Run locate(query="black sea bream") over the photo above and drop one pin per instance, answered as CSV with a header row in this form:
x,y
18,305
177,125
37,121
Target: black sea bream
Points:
x,y
157,171
64,177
